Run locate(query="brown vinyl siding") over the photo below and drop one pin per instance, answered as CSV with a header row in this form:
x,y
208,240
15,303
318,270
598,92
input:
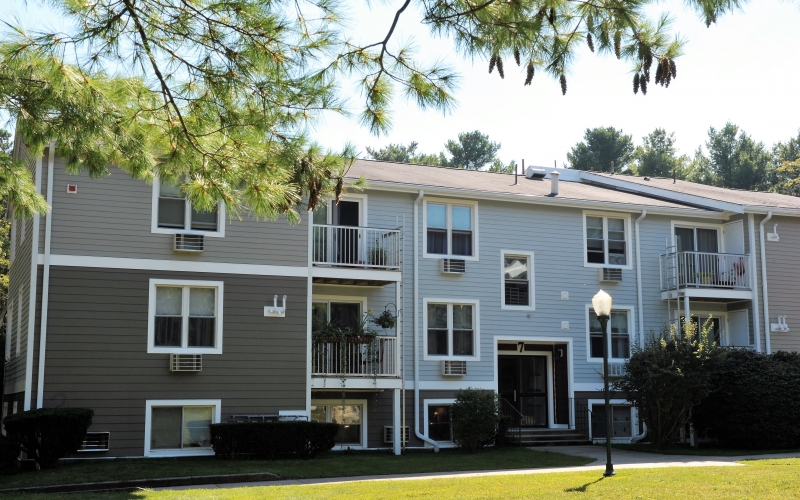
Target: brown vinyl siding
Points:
x,y
783,281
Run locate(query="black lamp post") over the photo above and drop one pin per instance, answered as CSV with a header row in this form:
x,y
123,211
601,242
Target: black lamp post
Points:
x,y
602,307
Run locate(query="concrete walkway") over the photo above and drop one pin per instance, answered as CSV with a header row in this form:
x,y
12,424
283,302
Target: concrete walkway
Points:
x,y
622,459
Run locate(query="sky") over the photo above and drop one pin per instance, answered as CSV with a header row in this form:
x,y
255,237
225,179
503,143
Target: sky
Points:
x,y
744,69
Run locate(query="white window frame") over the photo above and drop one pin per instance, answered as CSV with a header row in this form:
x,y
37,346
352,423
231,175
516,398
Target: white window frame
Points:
x,y
476,315
631,334
615,402
219,233
348,402
362,209
427,403
531,281
151,320
628,236
449,203
216,417
697,225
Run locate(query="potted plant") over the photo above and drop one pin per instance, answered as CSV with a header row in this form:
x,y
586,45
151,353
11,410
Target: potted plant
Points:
x,y
386,320
361,333
377,257
705,278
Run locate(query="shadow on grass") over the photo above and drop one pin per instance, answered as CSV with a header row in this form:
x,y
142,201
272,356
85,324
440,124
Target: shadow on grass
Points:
x,y
582,489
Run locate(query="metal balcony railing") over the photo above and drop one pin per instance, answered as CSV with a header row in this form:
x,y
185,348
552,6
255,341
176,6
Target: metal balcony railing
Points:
x,y
364,247
349,359
704,270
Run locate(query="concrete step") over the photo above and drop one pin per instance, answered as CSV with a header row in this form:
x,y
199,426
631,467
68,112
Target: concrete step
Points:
x,y
566,442
546,437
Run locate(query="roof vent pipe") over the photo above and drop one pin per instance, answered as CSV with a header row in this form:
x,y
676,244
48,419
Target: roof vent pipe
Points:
x,y
553,183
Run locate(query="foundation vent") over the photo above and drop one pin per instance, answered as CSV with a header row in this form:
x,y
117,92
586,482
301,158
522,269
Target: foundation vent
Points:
x,y
388,434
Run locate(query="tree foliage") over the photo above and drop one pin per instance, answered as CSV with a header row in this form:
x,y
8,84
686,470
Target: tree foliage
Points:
x,y
472,151
601,146
736,160
475,417
658,156
400,153
787,167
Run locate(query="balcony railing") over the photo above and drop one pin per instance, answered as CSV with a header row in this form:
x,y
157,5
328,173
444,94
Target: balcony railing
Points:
x,y
349,359
704,270
363,247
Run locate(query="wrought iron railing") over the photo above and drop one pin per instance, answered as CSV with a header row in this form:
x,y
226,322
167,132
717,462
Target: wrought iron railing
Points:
x,y
343,358
581,417
349,246
513,419
704,270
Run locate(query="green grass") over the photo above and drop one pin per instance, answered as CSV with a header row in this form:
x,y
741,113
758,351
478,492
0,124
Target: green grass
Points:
x,y
700,451
338,464
765,479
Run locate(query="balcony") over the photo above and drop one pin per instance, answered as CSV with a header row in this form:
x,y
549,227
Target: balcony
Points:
x,y
346,359
707,275
349,255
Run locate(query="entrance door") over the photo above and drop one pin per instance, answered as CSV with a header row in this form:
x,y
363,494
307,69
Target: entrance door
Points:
x,y
523,383
347,214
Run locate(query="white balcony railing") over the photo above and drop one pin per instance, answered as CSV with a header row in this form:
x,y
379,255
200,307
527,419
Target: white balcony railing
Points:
x,y
346,359
704,270
363,247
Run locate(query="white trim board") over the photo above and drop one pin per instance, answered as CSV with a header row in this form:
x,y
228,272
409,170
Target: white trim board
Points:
x,y
476,328
449,203
219,287
216,416
628,237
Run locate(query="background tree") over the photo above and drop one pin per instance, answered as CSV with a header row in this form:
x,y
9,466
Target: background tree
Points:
x,y
601,146
787,167
472,151
657,156
400,153
6,146
736,160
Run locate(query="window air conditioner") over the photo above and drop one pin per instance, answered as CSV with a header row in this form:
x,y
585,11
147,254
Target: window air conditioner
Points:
x,y
185,362
95,441
454,266
192,243
608,275
388,434
454,368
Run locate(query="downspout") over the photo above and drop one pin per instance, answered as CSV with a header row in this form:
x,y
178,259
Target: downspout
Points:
x,y
764,283
26,404
639,279
48,227
754,282
416,325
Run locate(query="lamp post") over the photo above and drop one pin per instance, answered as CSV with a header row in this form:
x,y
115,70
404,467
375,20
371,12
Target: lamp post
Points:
x,y
602,307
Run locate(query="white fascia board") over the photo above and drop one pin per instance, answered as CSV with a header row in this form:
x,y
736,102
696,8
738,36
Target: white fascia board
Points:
x,y
636,188
787,212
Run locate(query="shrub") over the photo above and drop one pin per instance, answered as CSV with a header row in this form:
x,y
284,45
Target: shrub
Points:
x,y
475,418
272,439
667,377
755,402
48,434
9,451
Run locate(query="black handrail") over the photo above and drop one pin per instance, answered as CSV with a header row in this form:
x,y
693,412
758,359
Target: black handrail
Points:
x,y
514,418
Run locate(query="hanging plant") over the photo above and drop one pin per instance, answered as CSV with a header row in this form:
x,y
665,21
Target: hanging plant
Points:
x,y
386,320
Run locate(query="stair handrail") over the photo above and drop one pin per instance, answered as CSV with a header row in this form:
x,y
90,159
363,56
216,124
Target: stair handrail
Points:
x,y
515,415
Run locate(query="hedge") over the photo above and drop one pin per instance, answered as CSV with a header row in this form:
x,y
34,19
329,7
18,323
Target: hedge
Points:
x,y
9,451
48,434
272,439
475,418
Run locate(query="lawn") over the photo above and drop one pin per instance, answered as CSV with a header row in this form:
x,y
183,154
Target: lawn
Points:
x,y
764,479
334,464
700,451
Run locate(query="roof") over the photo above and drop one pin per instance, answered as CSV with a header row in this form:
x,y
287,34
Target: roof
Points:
x,y
736,196
490,183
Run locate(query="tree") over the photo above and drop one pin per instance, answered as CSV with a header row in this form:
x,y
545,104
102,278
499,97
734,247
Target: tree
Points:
x,y
499,167
787,167
472,151
221,95
736,161
601,146
6,146
657,156
404,154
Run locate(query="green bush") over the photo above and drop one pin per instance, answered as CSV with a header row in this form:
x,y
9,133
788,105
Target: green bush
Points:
x,y
272,439
48,434
9,451
475,417
755,401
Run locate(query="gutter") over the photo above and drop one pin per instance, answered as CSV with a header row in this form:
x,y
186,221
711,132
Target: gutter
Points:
x,y
48,228
764,283
416,325
639,278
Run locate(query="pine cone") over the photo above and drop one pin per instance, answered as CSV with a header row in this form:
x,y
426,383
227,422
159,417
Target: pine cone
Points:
x,y
643,85
648,61
529,76
492,62
673,70
636,83
589,41
659,73
516,55
500,67
618,44
563,84
646,75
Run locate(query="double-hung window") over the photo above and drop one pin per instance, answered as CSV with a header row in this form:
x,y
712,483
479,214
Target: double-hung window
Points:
x,y
606,241
349,417
180,427
619,335
452,330
185,317
450,229
517,280
174,213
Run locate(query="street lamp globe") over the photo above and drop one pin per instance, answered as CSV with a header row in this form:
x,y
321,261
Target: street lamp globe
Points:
x,y
602,303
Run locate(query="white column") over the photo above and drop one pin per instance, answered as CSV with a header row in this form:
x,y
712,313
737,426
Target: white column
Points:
x,y
686,313
398,429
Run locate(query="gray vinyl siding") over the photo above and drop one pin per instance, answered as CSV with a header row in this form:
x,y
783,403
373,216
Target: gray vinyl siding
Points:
x,y
783,281
111,217
97,350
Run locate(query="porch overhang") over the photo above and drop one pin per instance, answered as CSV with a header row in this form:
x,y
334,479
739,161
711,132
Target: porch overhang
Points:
x,y
354,276
709,294
360,383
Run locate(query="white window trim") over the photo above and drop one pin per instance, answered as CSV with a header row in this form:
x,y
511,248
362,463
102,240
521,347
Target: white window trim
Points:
x,y
219,233
216,417
449,202
531,281
433,402
631,334
628,236
348,402
695,225
476,316
151,322
615,402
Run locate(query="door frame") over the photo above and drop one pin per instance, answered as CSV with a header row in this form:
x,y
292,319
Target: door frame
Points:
x,y
549,341
703,314
361,199
696,225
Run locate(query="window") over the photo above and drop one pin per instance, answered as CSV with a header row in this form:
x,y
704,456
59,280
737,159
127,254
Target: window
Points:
x,y
452,329
621,421
606,241
180,427
185,317
350,417
439,426
619,328
450,229
344,314
517,280
173,213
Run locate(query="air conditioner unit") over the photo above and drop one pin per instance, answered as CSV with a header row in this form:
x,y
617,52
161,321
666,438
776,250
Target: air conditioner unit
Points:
x,y
616,369
185,362
388,434
95,441
609,275
454,266
454,368
192,243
